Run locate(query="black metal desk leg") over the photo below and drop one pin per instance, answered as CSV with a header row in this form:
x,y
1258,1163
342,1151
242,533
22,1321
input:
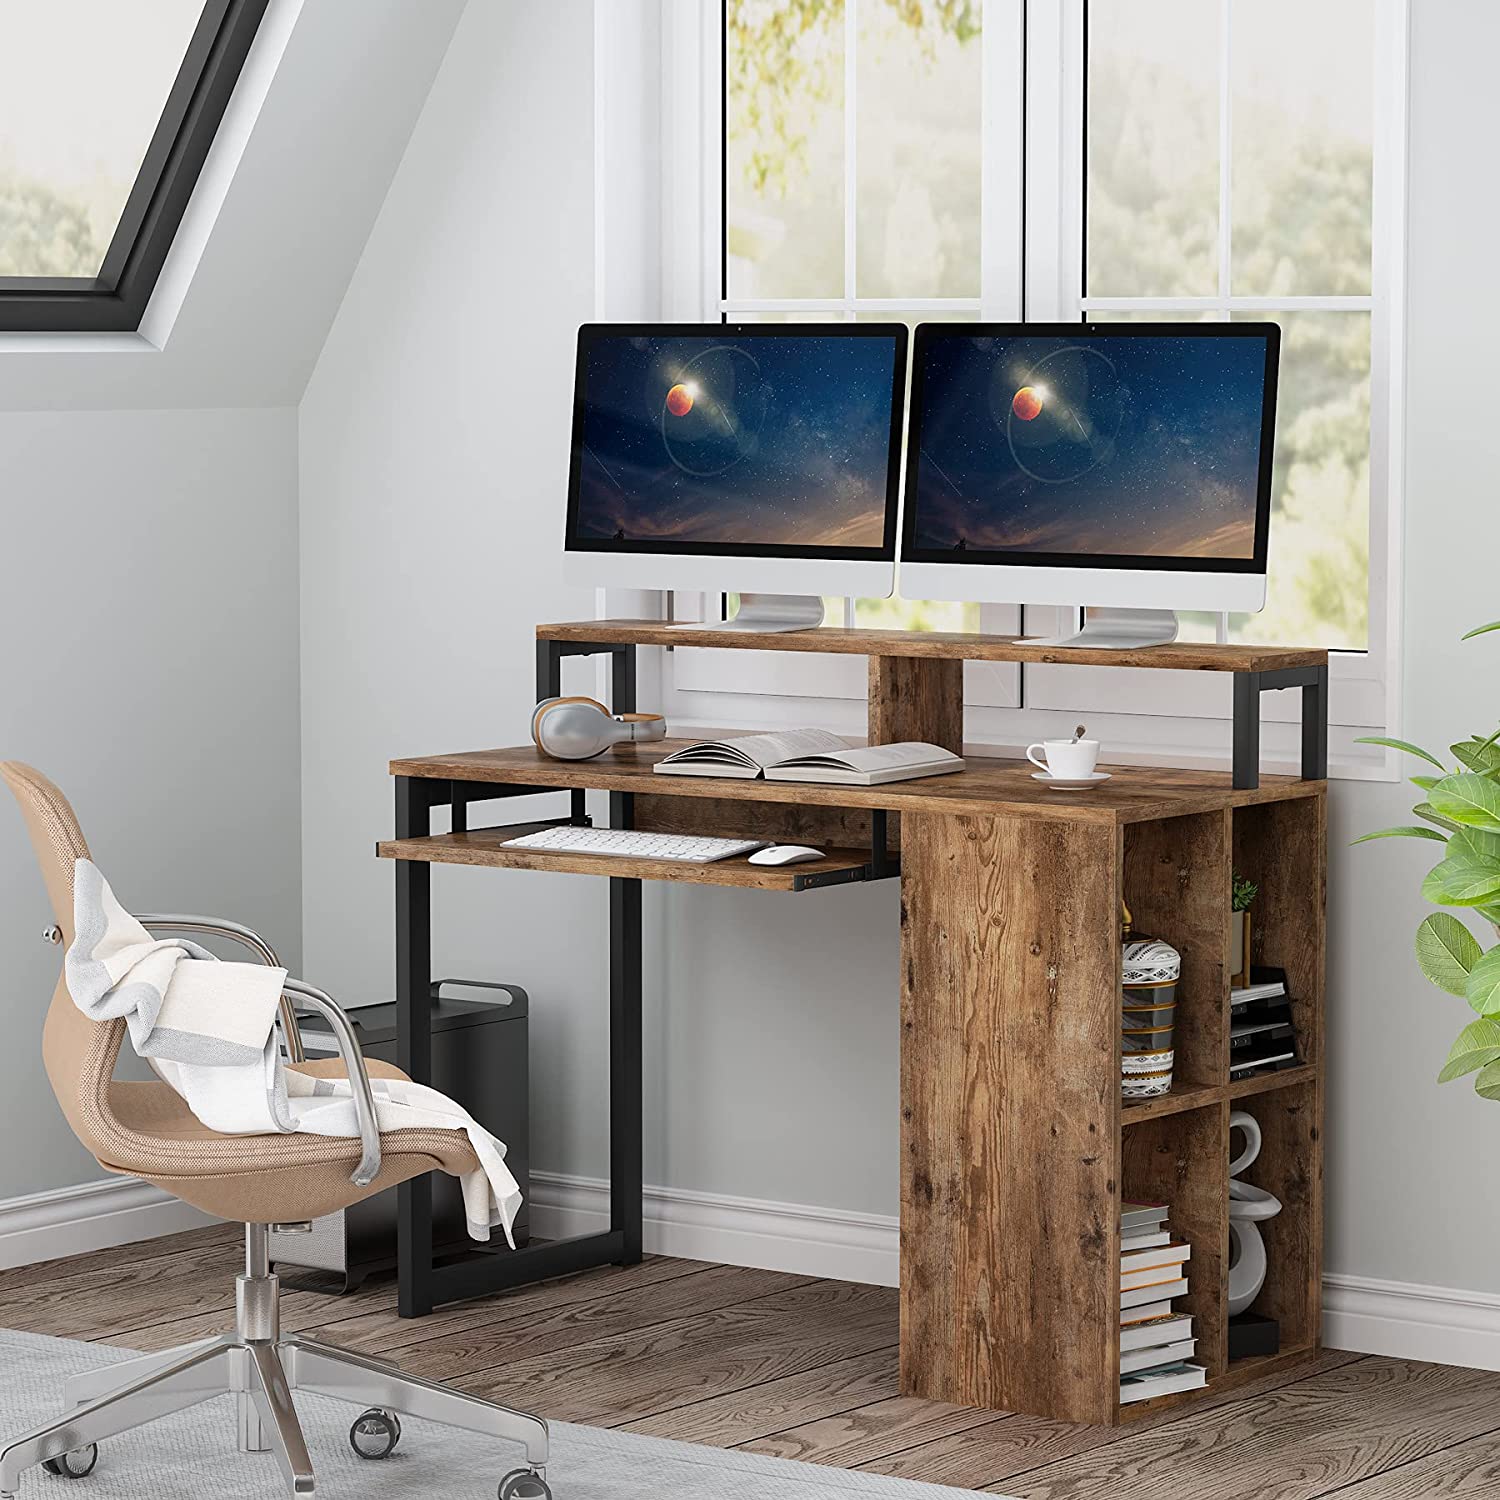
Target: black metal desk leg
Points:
x,y
626,1173
1246,730
625,1128
414,1040
622,681
1315,728
548,670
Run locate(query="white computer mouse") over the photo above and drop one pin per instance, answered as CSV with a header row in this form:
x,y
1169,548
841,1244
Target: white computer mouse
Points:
x,y
786,854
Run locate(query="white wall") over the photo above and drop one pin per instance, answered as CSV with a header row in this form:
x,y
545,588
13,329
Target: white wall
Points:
x,y
148,608
433,435
433,444
1408,1194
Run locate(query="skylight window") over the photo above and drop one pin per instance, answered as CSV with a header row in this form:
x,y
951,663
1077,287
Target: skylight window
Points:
x,y
107,112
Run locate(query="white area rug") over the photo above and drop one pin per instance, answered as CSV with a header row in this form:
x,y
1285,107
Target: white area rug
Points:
x,y
191,1456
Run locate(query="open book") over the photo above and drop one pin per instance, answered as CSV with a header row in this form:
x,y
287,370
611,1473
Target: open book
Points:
x,y
809,755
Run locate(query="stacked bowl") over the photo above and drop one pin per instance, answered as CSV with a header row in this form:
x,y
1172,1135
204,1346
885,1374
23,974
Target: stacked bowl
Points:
x,y
1150,971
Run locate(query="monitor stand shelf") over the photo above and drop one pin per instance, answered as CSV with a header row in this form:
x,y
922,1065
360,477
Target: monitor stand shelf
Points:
x,y
922,672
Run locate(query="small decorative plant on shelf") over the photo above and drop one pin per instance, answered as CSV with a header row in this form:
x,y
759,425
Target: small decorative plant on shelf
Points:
x,y
1461,810
1242,893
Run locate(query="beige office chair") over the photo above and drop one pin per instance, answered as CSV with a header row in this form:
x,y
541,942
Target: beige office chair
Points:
x,y
146,1130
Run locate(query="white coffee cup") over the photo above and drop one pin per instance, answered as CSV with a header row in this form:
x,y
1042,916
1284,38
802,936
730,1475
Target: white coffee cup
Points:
x,y
1067,760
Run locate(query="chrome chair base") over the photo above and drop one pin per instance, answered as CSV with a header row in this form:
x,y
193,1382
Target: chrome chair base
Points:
x,y
262,1370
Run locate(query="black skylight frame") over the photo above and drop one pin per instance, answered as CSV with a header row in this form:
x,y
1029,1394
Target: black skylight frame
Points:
x,y
115,300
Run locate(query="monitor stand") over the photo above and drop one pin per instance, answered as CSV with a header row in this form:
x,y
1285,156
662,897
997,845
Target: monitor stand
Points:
x,y
769,612
1110,629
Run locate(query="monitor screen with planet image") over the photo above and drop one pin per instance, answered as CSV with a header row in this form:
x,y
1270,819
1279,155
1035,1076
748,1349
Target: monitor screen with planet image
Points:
x,y
1119,445
738,441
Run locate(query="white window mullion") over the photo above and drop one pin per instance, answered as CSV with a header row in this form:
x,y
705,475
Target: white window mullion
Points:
x,y
1054,160
1226,147
1232,304
1002,163
851,149
849,304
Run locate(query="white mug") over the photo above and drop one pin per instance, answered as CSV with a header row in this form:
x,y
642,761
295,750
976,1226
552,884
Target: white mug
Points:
x,y
1067,760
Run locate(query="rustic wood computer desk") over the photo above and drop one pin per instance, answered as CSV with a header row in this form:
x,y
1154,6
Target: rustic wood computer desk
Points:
x,y
1016,1147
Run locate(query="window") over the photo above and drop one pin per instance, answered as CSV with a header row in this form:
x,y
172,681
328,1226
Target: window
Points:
x,y
1121,159
1230,174
853,184
107,112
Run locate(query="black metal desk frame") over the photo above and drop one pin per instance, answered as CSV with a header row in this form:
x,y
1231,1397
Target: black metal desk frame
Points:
x,y
421,1284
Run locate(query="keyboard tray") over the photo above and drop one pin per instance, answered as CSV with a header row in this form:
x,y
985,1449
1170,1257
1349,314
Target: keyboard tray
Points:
x,y
485,847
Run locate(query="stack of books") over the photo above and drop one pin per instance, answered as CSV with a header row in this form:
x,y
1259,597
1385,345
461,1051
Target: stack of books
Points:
x,y
1261,1038
1155,1341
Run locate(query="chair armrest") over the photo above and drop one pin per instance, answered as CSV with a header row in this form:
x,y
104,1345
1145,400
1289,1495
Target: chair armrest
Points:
x,y
246,937
359,1076
315,1000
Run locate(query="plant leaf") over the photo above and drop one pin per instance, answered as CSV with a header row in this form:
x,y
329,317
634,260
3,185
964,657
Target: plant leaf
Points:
x,y
1488,912
1468,799
1425,782
1424,810
1462,880
1476,1045
1479,843
1487,1084
1406,745
1483,990
1408,832
1469,635
1447,951
1477,756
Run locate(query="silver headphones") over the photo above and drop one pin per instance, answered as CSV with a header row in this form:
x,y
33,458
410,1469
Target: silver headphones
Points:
x,y
581,728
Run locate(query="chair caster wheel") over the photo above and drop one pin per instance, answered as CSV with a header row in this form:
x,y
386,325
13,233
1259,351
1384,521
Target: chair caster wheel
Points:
x,y
78,1464
375,1433
524,1484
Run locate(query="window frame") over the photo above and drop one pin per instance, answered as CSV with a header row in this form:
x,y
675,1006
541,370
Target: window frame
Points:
x,y
115,301
1036,271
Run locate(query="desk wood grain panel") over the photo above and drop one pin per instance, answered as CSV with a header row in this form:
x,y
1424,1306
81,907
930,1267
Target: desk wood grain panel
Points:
x,y
988,786
1010,1115
785,822
1177,889
937,645
912,698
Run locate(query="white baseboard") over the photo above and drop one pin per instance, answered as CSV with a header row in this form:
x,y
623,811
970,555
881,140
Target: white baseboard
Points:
x,y
90,1216
737,1231
1411,1321
1401,1319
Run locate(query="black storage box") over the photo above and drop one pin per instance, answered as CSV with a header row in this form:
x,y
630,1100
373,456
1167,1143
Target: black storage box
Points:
x,y
479,1059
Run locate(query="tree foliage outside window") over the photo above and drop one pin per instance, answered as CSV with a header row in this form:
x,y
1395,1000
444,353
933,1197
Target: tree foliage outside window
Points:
x,y
42,232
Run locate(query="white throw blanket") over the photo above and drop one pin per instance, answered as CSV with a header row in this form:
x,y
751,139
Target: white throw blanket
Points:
x,y
208,1029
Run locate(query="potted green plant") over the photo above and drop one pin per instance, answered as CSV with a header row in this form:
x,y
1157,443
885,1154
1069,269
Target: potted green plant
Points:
x,y
1460,809
1242,893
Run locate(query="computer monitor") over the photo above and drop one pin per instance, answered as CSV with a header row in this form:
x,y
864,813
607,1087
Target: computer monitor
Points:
x,y
758,458
1122,466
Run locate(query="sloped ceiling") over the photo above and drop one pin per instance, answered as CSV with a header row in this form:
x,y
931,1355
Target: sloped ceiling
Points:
x,y
276,234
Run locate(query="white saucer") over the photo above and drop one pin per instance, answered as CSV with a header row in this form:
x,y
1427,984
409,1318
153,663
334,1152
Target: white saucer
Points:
x,y
1070,783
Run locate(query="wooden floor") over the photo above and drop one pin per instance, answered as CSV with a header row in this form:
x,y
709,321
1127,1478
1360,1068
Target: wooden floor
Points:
x,y
806,1369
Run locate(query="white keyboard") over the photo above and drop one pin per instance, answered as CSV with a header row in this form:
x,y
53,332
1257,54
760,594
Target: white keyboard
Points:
x,y
627,844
